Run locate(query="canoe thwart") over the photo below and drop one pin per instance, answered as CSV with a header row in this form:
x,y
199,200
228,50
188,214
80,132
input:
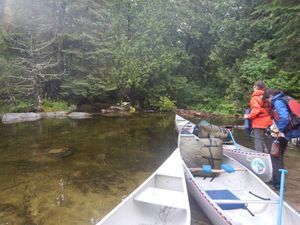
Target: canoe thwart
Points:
x,y
206,168
225,168
158,196
228,168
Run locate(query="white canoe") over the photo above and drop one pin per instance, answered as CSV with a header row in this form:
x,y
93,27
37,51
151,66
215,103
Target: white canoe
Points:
x,y
257,162
161,199
238,198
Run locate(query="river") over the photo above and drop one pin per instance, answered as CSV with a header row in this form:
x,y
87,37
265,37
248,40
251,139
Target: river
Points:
x,y
69,172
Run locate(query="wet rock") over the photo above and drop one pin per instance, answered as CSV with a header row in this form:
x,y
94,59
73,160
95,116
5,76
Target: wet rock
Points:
x,y
125,107
79,115
53,114
57,150
20,117
193,113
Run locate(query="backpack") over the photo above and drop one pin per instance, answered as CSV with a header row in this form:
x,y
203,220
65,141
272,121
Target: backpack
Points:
x,y
294,107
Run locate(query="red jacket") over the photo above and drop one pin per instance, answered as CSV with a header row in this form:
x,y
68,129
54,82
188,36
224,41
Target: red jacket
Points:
x,y
260,112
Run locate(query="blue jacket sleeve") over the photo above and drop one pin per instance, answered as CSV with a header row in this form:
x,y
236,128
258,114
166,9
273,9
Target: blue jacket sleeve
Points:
x,y
283,114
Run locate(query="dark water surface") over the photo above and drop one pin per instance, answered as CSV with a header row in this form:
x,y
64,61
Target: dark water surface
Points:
x,y
69,172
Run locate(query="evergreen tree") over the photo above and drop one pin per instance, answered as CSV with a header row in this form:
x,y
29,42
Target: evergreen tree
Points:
x,y
33,39
87,47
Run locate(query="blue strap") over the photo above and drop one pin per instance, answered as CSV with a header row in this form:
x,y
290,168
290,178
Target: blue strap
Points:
x,y
206,168
228,168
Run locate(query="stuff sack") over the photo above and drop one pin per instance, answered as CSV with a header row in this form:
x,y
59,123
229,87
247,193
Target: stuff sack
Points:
x,y
207,130
294,107
275,149
204,151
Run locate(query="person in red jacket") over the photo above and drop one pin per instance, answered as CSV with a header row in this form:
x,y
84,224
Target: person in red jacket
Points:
x,y
259,115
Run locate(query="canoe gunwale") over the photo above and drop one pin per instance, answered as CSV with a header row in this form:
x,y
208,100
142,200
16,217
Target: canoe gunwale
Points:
x,y
204,197
220,216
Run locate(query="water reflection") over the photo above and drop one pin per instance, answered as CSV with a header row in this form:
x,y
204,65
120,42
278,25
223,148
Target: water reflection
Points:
x,y
61,193
63,171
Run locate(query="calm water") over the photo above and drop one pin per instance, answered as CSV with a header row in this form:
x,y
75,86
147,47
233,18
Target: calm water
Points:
x,y
69,172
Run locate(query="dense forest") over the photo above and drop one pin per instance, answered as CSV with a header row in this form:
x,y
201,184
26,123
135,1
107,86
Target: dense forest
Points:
x,y
156,54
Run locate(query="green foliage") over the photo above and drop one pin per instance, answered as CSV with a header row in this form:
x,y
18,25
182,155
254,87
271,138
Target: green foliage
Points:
x,y
257,67
21,106
132,109
207,100
165,104
4,108
147,53
287,81
218,106
53,106
88,87
204,55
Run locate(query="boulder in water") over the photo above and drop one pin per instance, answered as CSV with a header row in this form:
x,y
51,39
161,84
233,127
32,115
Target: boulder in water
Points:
x,y
20,117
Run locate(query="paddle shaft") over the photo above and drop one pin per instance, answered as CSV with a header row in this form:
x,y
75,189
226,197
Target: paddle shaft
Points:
x,y
281,194
232,138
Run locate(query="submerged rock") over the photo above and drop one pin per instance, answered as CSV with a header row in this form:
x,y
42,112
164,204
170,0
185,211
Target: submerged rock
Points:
x,y
62,152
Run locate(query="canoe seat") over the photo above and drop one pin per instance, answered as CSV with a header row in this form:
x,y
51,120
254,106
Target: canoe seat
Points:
x,y
162,197
226,195
185,131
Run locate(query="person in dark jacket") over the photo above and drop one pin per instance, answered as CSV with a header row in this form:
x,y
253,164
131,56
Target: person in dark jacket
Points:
x,y
259,116
282,131
281,113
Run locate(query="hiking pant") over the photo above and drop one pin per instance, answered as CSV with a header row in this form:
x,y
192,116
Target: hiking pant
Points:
x,y
277,162
259,140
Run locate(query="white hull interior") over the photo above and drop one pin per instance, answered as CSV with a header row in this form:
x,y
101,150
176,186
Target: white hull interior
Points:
x,y
262,203
238,198
161,199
